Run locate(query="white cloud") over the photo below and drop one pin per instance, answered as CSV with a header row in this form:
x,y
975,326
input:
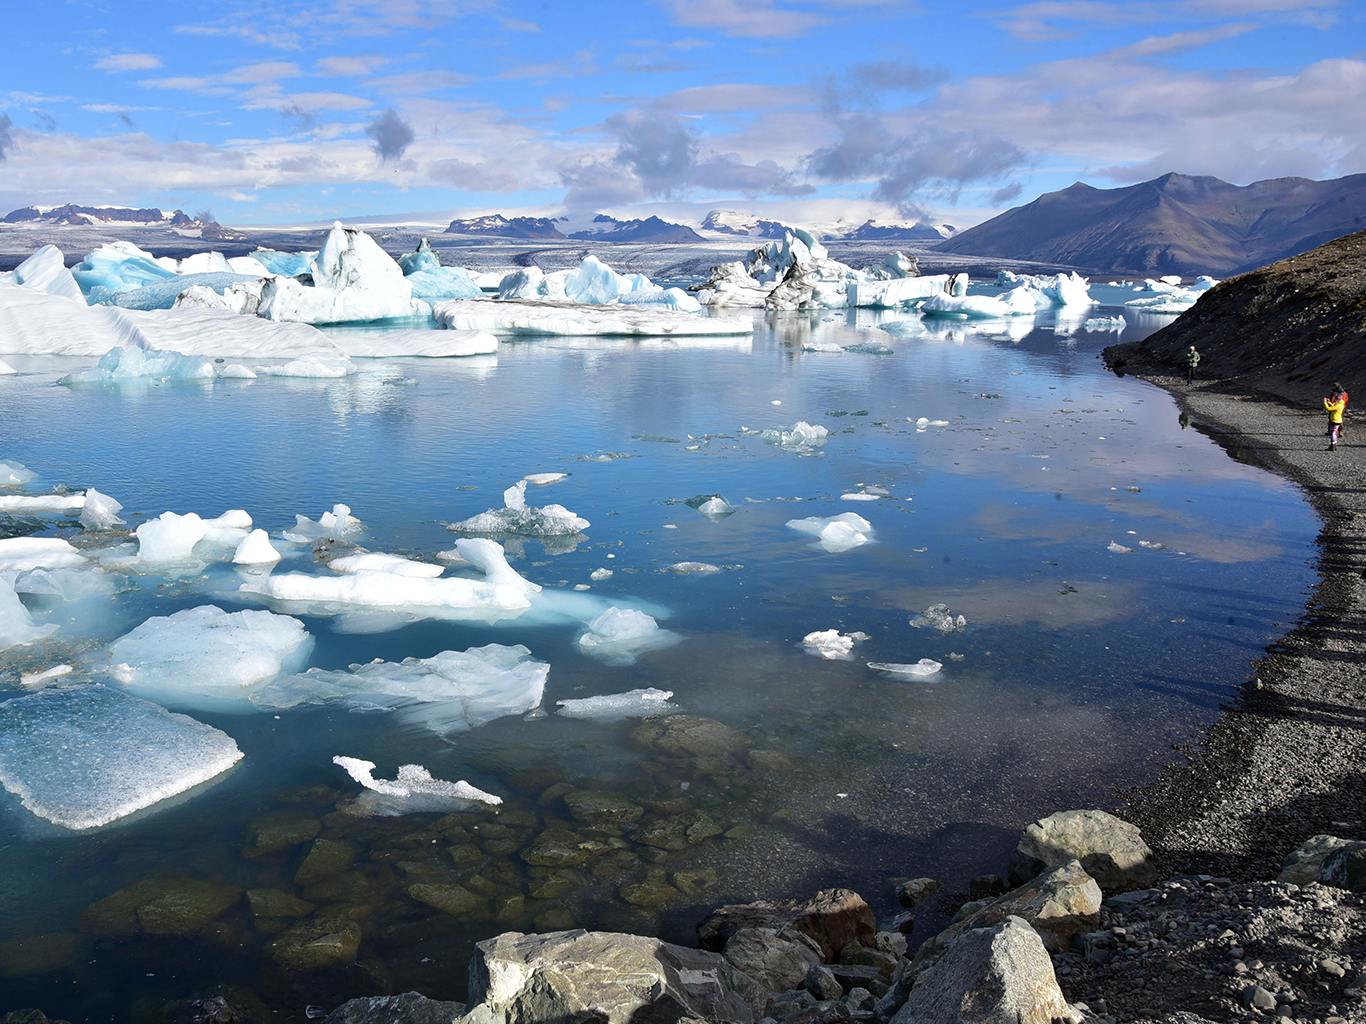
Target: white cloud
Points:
x,y
349,67
129,62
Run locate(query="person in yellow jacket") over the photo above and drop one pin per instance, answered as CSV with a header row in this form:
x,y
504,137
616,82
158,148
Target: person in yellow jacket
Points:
x,y
1335,405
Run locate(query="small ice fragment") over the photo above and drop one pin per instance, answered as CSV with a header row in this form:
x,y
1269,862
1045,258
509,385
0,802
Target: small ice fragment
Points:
x,y
619,634
776,401
38,504
802,437
1152,545
255,549
13,474
715,508
20,553
541,479
173,538
938,617
693,568
671,526
939,423
1117,548
84,756
582,586
613,706
36,679
519,518
236,371
1134,490
837,533
378,561
16,624
831,644
600,574
100,511
413,791
339,524
71,584
920,669
921,423
860,496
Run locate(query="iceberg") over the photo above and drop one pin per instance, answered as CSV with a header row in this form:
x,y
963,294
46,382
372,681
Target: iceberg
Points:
x,y
100,512
286,264
18,554
84,756
16,624
939,618
324,364
45,271
13,474
235,297
173,538
615,706
519,518
119,267
450,692
207,657
1168,296
619,634
831,644
894,292
431,281
802,437
139,364
1050,290
544,317
921,669
70,584
428,344
377,561
255,549
339,524
836,534
1016,302
412,792
236,292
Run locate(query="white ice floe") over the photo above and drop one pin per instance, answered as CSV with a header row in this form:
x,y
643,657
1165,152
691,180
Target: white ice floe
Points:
x,y
619,634
715,508
1116,548
207,658
1152,545
16,624
540,317
905,328
802,437
915,670
832,645
45,271
1016,302
413,791
378,561
1055,290
835,534
70,584
13,474
100,512
447,693
174,538
138,364
255,549
339,524
517,517
5,369
502,588
592,282
426,344
893,292
321,363
1168,295
38,504
600,574
1105,323
20,553
860,496
939,618
693,568
84,756
542,479
38,680
614,706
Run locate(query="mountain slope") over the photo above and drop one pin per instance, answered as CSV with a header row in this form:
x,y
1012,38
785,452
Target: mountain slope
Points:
x,y
1175,224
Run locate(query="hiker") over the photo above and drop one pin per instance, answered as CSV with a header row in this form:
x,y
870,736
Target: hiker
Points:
x,y
1339,392
1335,405
1192,361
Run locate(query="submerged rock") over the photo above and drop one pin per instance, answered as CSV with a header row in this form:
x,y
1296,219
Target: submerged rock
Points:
x,y
682,735
1110,849
316,942
39,954
408,1008
160,906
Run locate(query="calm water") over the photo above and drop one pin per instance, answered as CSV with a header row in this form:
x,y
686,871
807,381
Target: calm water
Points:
x,y
1079,666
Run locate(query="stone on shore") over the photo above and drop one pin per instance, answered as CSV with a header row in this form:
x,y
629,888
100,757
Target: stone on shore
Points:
x,y
997,975
408,1008
607,977
1110,849
915,892
777,958
1345,868
833,917
1301,865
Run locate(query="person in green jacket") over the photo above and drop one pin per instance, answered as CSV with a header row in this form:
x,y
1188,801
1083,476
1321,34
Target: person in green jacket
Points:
x,y
1192,361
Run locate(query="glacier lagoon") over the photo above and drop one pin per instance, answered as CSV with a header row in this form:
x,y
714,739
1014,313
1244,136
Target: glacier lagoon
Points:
x,y
1115,572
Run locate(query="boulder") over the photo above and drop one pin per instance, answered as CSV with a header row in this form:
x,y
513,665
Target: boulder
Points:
x,y
1345,868
1302,865
777,958
160,906
915,892
833,917
408,1008
316,942
607,977
997,975
28,1016
39,954
684,735
1110,849
1060,904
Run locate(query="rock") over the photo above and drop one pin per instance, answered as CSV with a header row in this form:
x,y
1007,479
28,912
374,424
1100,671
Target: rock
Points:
x,y
451,899
409,1008
1257,998
1301,866
856,954
986,885
28,1016
1331,968
860,999
275,832
325,858
556,849
1345,868
223,1004
1110,849
160,906
275,903
997,975
893,942
682,735
915,892
821,982
39,954
788,1004
904,923
856,975
777,958
833,917
595,808
316,942
608,977
351,887
652,891
694,881
1060,904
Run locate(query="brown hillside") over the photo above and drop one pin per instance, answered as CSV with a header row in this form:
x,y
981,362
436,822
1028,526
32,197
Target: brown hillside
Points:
x,y
1292,328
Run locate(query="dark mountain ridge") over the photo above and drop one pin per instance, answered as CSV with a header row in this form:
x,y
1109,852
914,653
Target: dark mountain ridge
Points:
x,y
1175,224
651,229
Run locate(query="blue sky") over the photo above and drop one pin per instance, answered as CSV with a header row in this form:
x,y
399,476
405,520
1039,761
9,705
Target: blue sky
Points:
x,y
305,110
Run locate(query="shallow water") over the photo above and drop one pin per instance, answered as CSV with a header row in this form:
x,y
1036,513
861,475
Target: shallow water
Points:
x,y
1079,667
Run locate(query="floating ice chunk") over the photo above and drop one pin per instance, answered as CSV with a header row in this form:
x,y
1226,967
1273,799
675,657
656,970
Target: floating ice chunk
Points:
x,y
16,624
21,553
447,693
613,706
543,317
905,328
414,791
70,584
378,561
45,271
889,293
693,568
290,264
6,369
860,496
173,538
100,512
236,371
1017,302
208,658
1152,545
869,348
84,756
542,479
921,423
916,670
323,364
1116,548
519,518
831,644
1051,289
823,346
432,282
662,298
600,574
132,363
715,508
37,680
619,634
255,549
939,423
339,524
802,437
1105,323
37,504
837,533
939,618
